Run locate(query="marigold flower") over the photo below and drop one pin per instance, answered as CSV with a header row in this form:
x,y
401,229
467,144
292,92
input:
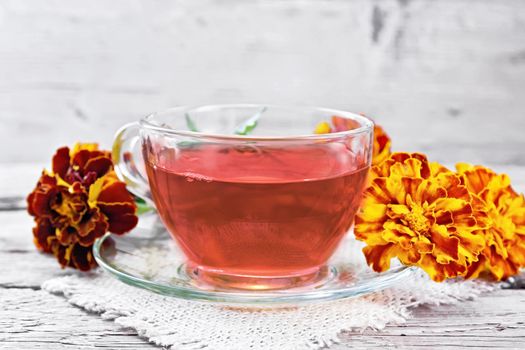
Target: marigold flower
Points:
x,y
79,201
504,253
421,213
382,143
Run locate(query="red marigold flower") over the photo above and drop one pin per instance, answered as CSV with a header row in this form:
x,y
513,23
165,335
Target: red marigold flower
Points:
x,y
78,202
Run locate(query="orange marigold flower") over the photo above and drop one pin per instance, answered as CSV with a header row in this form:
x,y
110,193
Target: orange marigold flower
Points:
x,y
323,128
504,253
382,143
78,202
421,213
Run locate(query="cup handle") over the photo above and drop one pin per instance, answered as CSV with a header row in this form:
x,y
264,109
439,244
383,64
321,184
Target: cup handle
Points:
x,y
125,146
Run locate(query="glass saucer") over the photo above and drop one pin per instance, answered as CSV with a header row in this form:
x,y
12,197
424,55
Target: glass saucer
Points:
x,y
148,258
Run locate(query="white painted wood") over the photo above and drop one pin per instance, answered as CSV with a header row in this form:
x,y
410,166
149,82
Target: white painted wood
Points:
x,y
37,320
444,77
33,319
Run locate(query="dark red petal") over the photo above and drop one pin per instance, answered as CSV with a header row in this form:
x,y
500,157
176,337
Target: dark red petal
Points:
x,y
59,251
100,229
93,220
89,179
61,161
67,235
121,217
81,158
124,224
82,258
29,201
76,202
46,180
42,200
100,165
41,232
88,222
115,193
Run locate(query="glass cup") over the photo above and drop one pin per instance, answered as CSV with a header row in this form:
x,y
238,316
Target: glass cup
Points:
x,y
252,196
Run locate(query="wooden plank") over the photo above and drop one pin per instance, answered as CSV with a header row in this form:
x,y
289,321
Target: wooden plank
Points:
x,y
495,321
35,319
38,320
443,77
21,265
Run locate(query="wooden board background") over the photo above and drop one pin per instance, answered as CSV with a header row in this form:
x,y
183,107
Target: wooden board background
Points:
x,y
444,77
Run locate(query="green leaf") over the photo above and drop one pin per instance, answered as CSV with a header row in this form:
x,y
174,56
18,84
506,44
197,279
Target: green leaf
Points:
x,y
249,124
142,206
190,124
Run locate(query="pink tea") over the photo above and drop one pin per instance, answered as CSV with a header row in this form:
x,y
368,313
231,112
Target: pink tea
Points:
x,y
256,211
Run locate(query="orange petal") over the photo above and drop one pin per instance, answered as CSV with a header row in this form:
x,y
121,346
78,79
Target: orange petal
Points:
x,y
378,257
446,246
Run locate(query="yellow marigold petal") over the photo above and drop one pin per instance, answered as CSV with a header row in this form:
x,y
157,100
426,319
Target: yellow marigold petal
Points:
x,y
405,164
409,255
498,182
446,246
428,191
323,128
463,167
382,145
452,205
398,230
411,167
439,272
497,249
382,155
83,146
498,267
476,178
424,246
507,228
363,229
373,212
394,211
515,208
396,189
379,256
436,169
471,244
94,191
517,253
480,212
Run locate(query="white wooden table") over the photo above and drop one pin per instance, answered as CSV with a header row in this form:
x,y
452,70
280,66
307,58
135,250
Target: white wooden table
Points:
x,y
33,319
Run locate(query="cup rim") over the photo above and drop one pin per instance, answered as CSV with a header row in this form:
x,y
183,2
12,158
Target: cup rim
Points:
x,y
367,124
